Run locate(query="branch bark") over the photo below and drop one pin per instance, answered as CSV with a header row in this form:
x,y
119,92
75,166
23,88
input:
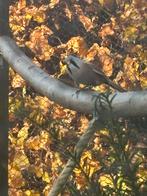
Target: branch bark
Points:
x,y
94,125
124,104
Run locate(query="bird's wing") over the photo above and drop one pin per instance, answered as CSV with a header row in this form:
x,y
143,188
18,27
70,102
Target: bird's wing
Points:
x,y
99,72
108,81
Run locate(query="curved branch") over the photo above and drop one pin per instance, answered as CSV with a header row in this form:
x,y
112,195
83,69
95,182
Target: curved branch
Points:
x,y
124,104
59,184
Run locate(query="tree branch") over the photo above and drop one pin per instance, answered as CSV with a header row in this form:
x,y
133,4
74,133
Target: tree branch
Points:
x,y
94,125
124,104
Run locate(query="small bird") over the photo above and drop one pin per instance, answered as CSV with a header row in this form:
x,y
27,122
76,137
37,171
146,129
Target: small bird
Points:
x,y
83,72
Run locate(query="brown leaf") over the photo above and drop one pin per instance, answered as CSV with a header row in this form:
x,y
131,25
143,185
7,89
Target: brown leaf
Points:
x,y
77,45
106,30
18,81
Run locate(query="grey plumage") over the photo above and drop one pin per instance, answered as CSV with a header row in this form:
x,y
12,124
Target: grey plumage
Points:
x,y
86,73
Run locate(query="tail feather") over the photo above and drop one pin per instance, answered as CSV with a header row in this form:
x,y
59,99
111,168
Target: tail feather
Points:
x,y
115,86
102,78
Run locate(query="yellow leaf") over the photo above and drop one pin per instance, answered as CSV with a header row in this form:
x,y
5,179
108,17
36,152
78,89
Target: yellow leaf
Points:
x,y
46,177
33,143
18,81
28,16
39,17
23,133
28,193
39,172
101,2
130,33
21,4
78,45
106,180
21,160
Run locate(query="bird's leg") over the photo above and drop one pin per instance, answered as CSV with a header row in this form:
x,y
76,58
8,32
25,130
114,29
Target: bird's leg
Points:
x,y
85,88
77,86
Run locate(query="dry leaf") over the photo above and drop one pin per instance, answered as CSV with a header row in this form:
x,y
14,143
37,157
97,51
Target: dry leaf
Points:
x,y
17,81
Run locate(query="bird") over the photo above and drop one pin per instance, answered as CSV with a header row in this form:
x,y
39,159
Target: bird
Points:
x,y
84,72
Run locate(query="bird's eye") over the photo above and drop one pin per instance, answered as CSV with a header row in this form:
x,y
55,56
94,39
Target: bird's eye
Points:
x,y
74,63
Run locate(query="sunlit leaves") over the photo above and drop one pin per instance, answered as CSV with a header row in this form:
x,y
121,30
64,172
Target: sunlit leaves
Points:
x,y
77,45
38,142
131,71
21,4
106,180
17,81
39,44
43,134
39,17
131,33
53,3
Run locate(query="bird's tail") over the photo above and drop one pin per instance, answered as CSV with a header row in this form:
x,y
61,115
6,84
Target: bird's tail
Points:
x,y
115,86
102,77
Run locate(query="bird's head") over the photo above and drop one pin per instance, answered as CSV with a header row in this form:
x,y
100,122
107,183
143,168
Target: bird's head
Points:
x,y
73,62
